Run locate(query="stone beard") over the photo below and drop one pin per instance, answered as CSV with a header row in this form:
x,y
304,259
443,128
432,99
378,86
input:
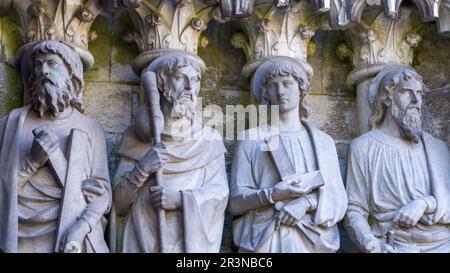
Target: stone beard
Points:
x,y
408,117
194,170
51,95
397,175
182,104
34,184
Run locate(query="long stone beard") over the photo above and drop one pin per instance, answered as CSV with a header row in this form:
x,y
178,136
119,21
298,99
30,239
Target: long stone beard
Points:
x,y
50,96
181,107
409,120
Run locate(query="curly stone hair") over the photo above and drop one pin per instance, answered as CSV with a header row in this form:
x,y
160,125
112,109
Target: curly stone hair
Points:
x,y
299,76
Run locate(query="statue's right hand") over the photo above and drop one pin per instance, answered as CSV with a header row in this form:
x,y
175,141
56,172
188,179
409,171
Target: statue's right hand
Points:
x,y
44,144
372,245
286,190
154,159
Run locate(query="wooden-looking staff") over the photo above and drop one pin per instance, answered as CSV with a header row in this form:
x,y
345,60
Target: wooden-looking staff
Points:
x,y
148,80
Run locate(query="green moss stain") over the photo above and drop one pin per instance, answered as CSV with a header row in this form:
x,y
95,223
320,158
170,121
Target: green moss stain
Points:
x,y
101,50
11,38
11,94
124,53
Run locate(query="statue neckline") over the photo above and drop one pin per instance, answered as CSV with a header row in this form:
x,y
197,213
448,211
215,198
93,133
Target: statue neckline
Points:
x,y
58,118
393,141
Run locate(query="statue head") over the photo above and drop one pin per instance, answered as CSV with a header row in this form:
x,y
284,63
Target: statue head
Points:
x,y
283,83
400,95
178,78
55,78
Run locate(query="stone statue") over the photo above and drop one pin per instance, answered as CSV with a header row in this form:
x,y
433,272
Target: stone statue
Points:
x,y
398,177
290,198
194,191
55,186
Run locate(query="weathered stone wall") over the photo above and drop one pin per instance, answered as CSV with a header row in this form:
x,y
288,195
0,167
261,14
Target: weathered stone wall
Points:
x,y
111,92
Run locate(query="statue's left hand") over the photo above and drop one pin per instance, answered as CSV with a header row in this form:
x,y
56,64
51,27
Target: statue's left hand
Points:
x,y
291,213
74,237
164,198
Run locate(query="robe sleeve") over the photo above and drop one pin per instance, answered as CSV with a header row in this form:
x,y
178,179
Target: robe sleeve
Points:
x,y
97,188
332,198
356,220
204,209
244,194
129,178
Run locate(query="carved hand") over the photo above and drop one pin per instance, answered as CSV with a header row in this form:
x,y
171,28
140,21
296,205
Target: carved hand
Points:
x,y
286,190
373,245
44,144
291,213
155,158
74,237
409,215
164,198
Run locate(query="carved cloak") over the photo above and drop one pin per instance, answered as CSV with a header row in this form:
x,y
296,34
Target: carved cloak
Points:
x,y
11,130
196,168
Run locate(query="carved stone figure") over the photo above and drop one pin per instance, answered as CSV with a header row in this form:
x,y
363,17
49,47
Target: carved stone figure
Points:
x,y
55,186
398,178
193,191
290,198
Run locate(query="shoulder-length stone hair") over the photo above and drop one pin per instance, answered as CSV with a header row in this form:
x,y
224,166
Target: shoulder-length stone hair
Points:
x,y
386,89
168,67
72,61
287,69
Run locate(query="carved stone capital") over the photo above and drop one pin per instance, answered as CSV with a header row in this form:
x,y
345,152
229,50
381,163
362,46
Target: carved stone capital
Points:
x,y
276,30
68,21
380,40
162,26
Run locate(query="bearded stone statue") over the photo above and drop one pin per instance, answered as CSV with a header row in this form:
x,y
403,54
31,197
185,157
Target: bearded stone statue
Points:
x,y
398,178
55,186
194,189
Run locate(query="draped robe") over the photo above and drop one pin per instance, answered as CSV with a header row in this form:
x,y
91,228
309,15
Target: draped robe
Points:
x,y
384,174
254,171
30,206
196,168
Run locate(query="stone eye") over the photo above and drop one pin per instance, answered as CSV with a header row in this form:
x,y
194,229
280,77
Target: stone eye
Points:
x,y
288,83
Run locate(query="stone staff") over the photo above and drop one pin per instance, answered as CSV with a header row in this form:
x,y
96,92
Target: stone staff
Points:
x,y
157,123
